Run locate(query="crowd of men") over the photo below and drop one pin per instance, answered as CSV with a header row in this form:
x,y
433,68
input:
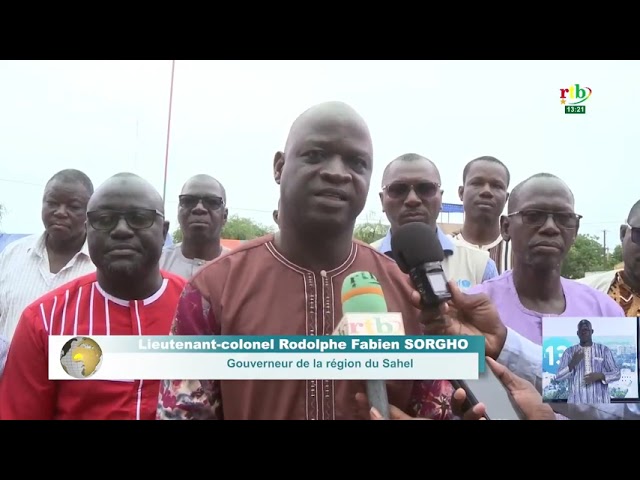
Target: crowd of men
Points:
x,y
100,268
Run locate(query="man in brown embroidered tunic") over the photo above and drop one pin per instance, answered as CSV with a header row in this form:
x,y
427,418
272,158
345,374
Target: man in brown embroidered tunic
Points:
x,y
289,283
623,285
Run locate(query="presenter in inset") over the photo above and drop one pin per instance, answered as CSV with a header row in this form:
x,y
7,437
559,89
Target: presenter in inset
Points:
x,y
589,367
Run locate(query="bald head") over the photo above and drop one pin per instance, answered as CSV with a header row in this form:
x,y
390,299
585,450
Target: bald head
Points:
x,y
122,185
410,159
125,234
540,184
323,115
633,218
324,171
205,183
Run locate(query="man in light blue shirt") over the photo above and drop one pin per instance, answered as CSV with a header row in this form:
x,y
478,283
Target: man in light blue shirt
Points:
x,y
411,193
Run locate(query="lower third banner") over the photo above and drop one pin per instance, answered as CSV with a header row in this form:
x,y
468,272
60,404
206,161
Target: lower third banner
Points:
x,y
265,358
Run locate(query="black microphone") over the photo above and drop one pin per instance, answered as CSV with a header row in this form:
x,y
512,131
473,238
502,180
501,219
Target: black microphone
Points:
x,y
417,250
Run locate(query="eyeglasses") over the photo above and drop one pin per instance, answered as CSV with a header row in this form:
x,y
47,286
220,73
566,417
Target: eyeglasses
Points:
x,y
537,218
210,202
400,190
635,234
138,219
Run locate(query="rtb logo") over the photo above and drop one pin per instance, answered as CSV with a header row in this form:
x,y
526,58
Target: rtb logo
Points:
x,y
573,97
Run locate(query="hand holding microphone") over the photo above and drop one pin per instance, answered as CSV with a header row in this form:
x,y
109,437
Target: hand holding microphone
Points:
x,y
458,401
524,394
365,312
469,315
445,310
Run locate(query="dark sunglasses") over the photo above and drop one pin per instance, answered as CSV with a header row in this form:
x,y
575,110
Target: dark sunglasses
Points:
x,y
635,234
138,219
537,218
210,202
400,190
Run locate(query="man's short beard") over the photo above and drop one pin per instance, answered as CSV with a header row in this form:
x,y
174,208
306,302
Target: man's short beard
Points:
x,y
543,265
126,270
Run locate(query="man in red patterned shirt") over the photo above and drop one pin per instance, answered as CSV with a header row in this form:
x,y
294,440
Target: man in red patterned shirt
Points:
x,y
128,295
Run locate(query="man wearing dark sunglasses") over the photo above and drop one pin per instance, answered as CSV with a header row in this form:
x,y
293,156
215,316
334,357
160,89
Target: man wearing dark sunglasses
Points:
x,y
127,295
623,285
202,213
411,192
541,225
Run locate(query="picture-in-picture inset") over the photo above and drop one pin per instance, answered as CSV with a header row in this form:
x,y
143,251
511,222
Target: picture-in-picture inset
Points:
x,y
589,360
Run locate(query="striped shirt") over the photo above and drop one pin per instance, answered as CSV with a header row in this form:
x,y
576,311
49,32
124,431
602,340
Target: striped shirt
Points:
x,y
499,251
82,307
172,260
25,275
598,358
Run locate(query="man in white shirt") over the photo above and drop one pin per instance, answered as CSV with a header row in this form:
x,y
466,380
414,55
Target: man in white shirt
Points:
x,y
484,194
202,213
37,264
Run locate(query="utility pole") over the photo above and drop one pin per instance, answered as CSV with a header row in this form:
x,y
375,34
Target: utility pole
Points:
x,y
604,245
166,155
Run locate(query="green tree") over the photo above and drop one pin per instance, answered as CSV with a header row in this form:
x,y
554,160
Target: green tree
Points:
x,y
236,228
370,232
587,255
560,393
616,255
242,228
371,229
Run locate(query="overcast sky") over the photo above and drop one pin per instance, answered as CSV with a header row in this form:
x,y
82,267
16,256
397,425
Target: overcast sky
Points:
x,y
230,117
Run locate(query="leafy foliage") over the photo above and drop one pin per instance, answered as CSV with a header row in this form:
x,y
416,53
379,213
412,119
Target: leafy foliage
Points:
x,y
588,255
370,232
236,228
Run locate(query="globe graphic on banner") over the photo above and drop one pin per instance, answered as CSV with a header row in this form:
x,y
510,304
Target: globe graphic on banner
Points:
x,y
81,357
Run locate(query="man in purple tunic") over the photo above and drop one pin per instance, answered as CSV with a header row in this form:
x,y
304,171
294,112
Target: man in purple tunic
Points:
x,y
541,225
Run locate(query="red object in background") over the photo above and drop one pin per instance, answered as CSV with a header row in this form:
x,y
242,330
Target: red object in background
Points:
x,y
230,244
